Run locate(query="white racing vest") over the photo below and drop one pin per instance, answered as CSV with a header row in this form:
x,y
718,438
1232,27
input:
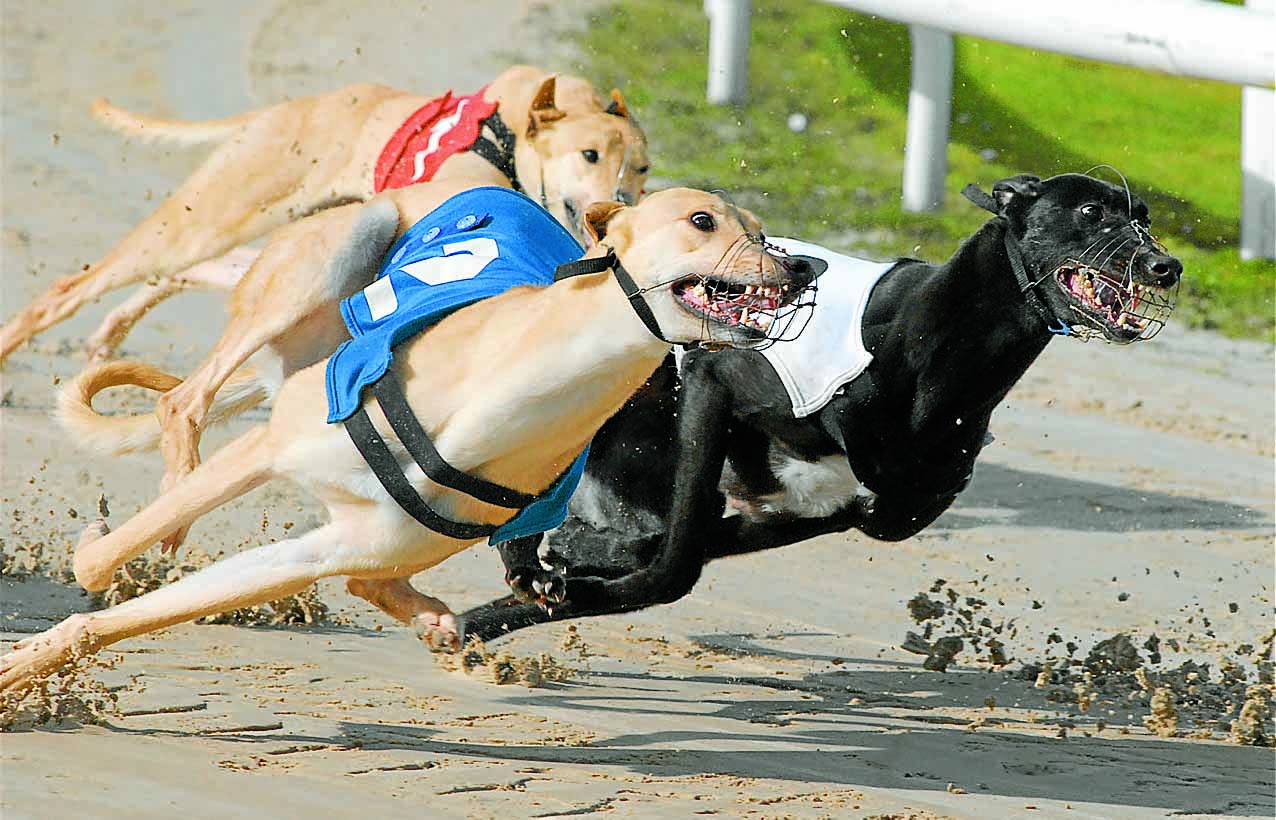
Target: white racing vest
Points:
x,y
830,350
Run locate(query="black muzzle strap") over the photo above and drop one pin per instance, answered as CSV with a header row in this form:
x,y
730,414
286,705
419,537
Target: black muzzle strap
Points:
x,y
501,152
609,261
1027,286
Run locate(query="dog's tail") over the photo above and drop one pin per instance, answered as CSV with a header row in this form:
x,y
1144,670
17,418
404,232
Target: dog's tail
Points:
x,y
130,434
158,129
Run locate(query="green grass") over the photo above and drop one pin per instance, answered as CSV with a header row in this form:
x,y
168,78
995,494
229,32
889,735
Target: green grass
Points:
x,y
1176,140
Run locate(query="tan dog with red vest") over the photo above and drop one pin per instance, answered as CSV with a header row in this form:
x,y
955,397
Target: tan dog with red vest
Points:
x,y
561,143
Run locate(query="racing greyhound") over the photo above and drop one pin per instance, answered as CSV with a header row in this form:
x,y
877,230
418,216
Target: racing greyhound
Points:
x,y
553,136
506,392
889,441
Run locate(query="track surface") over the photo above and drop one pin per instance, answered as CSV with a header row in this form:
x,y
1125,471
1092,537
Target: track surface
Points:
x,y
1128,490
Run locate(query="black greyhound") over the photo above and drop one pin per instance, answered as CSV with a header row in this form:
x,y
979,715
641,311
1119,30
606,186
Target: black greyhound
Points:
x,y
1068,256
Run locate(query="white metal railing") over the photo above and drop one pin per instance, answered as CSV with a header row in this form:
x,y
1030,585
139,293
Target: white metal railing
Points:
x,y
1194,38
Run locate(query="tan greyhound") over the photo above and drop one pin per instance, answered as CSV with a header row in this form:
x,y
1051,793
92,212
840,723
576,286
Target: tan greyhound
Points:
x,y
281,163
510,389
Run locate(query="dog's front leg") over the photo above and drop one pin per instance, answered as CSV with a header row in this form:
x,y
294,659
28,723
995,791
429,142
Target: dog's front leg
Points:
x,y
697,505
897,516
429,617
739,535
256,576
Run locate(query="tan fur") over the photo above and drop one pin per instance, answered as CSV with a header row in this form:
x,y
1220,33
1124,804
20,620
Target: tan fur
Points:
x,y
157,129
510,389
284,162
117,435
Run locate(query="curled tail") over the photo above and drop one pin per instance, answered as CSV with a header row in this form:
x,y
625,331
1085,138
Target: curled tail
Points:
x,y
130,434
158,129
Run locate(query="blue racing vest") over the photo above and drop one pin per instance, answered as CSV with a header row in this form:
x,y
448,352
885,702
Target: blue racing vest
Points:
x,y
476,244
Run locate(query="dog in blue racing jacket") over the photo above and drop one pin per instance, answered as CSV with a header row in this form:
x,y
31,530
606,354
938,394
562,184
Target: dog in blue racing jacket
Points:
x,y
505,393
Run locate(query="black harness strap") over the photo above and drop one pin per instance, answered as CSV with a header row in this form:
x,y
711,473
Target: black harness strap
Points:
x,y
501,152
389,392
386,468
1026,286
628,286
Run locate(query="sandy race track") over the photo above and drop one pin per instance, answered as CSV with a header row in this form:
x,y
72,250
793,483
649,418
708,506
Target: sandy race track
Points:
x,y
1129,491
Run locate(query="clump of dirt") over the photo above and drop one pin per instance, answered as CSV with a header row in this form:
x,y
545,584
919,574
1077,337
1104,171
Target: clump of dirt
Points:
x,y
1164,719
959,620
69,696
1232,699
34,540
1252,726
34,558
504,668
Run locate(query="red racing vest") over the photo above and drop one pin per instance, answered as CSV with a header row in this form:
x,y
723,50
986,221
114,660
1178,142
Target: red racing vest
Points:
x,y
435,131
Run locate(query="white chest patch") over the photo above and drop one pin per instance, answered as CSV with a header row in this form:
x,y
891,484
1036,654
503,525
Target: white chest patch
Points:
x,y
812,489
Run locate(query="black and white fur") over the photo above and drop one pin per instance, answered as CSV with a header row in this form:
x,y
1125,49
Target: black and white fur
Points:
x,y
887,455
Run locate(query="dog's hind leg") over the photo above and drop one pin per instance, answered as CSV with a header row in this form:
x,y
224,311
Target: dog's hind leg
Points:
x,y
216,274
429,617
235,469
234,197
300,276
252,577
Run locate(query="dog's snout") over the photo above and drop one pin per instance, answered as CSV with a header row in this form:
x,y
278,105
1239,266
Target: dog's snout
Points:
x,y
1166,270
802,270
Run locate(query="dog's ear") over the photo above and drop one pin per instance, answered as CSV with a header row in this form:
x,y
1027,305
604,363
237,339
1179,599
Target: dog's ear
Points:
x,y
617,105
597,216
544,110
1017,189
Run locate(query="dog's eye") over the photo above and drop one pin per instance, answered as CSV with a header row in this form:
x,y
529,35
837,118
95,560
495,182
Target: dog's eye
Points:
x,y
1092,211
590,155
703,222
644,169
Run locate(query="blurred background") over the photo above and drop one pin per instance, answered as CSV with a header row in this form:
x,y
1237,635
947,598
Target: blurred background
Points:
x,y
836,180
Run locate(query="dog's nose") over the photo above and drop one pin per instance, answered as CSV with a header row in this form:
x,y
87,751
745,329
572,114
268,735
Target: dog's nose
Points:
x,y
1166,270
802,270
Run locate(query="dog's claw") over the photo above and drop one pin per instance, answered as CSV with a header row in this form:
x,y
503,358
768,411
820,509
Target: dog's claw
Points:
x,y
553,590
537,585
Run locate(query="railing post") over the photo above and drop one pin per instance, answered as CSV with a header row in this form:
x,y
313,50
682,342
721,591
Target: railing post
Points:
x,y
929,109
1258,165
728,49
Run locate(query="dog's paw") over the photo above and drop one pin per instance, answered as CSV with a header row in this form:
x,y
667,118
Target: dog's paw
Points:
x,y
537,585
438,631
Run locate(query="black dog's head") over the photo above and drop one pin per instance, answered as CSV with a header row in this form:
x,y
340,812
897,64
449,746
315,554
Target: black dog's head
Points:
x,y
1092,240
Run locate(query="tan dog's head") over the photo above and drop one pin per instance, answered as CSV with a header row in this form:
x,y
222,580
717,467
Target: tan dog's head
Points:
x,y
578,150
703,267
